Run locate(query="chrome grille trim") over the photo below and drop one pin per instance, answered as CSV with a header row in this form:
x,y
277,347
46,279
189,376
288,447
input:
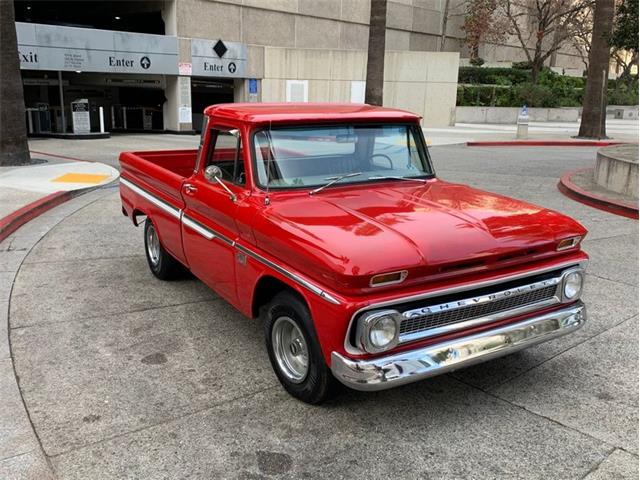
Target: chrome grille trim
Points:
x,y
437,319
562,267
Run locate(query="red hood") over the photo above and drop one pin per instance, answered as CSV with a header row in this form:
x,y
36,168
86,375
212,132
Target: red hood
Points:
x,y
349,234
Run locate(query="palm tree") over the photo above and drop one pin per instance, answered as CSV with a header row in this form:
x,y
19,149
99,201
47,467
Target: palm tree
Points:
x,y
375,55
594,105
14,149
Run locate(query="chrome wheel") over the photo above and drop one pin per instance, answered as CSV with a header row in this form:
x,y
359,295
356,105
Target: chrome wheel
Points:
x,y
290,349
153,245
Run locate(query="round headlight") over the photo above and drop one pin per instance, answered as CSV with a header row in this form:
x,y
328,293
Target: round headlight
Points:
x,y
572,285
383,332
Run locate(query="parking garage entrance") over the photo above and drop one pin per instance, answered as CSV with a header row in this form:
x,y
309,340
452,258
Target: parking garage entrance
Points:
x,y
208,91
130,103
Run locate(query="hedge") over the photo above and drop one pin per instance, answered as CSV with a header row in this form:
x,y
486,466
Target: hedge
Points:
x,y
492,76
511,87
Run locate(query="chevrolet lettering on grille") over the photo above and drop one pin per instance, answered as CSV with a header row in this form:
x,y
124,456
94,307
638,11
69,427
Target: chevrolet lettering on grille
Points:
x,y
419,312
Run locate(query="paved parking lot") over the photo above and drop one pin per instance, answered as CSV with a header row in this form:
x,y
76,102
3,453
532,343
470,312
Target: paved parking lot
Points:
x,y
125,376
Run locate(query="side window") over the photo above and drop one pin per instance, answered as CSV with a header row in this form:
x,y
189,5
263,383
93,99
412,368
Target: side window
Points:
x,y
226,152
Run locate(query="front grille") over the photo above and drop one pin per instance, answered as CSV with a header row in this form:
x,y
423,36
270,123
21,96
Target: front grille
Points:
x,y
456,315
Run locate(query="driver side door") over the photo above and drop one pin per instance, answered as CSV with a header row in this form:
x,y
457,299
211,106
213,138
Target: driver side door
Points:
x,y
208,224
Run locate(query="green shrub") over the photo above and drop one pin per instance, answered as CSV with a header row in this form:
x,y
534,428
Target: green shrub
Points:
x,y
485,96
623,94
511,87
477,61
535,95
492,76
522,65
567,91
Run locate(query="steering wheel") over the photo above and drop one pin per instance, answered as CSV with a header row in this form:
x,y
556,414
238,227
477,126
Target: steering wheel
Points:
x,y
383,156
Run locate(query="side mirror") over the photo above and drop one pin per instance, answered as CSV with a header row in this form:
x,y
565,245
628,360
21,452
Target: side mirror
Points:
x,y
213,173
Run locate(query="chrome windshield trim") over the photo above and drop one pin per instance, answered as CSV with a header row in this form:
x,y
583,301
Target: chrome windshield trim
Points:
x,y
405,367
170,209
459,288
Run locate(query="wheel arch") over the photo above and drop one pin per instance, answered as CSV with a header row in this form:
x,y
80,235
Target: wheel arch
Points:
x,y
267,287
136,213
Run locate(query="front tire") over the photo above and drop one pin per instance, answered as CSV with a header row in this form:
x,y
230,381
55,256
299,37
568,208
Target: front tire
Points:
x,y
161,263
294,350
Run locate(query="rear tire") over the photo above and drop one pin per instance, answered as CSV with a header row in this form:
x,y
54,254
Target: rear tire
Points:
x,y
161,263
294,350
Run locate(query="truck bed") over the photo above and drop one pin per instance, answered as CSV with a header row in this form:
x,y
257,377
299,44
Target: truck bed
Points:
x,y
161,171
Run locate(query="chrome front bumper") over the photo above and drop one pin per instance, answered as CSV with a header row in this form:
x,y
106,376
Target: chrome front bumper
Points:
x,y
413,365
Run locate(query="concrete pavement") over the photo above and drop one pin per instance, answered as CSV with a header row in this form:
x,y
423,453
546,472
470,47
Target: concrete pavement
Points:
x,y
124,376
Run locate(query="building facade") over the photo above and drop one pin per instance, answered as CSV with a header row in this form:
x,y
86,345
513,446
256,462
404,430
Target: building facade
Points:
x,y
154,65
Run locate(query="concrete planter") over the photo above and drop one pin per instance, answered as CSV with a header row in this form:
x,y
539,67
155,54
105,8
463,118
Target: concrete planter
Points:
x,y
617,169
509,115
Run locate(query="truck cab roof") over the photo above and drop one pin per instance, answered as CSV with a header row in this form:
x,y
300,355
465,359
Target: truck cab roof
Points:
x,y
262,113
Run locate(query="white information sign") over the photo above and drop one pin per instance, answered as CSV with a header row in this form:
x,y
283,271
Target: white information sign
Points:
x,y
80,116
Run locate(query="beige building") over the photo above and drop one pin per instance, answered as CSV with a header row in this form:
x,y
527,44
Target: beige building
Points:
x,y
164,61
315,50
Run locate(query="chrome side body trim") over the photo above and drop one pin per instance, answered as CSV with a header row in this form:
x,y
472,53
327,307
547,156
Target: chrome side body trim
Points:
x,y
456,289
211,234
196,227
301,281
406,367
170,209
206,232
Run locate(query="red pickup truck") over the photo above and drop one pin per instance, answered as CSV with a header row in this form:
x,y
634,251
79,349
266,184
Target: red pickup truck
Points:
x,y
327,222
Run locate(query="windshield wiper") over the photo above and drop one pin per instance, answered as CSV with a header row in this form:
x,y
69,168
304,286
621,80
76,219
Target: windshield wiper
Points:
x,y
394,177
334,180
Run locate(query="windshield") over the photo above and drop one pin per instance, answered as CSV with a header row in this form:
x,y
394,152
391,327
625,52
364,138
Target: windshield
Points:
x,y
313,156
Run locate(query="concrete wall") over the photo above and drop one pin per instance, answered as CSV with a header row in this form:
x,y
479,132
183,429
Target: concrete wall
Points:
x,y
421,82
509,115
412,25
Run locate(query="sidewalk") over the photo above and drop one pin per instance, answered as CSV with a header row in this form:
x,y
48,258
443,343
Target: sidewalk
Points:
x,y
618,130
41,186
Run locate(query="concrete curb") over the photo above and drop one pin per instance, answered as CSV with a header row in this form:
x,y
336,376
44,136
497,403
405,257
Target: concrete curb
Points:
x,y
15,220
543,143
573,191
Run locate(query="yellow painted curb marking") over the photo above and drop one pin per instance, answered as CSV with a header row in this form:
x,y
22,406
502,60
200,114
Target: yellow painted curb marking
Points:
x,y
91,178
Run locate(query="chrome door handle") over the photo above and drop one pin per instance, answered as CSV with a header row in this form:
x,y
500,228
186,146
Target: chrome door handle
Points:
x,y
190,189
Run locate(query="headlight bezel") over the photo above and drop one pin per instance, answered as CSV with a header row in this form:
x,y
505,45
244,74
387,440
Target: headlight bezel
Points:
x,y
368,322
566,277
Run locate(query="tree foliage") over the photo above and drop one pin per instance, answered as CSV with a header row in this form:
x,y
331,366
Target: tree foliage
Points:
x,y
624,38
481,25
625,29
542,27
539,27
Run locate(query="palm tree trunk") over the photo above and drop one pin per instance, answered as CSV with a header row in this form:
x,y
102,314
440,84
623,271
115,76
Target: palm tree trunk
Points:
x,y
375,55
594,109
14,149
